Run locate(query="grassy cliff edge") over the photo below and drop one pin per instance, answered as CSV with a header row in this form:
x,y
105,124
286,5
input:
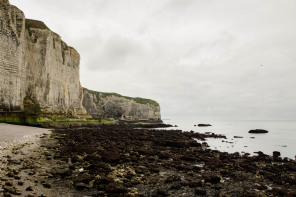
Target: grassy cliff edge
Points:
x,y
136,99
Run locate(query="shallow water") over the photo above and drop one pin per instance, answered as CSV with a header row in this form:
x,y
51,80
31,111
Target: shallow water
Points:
x,y
281,136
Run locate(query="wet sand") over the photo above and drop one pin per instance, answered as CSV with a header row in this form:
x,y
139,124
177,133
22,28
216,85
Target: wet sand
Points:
x,y
17,134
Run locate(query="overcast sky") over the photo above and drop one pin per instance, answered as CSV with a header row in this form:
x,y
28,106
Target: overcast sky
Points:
x,y
230,59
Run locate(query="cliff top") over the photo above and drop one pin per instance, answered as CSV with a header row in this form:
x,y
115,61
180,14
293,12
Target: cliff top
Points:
x,y
136,99
35,24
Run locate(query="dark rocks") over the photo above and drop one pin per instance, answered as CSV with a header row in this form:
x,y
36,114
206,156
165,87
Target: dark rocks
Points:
x,y
172,178
62,171
111,156
81,186
46,184
213,178
195,183
8,183
258,131
30,188
238,137
160,192
201,192
159,125
116,158
204,125
114,188
276,154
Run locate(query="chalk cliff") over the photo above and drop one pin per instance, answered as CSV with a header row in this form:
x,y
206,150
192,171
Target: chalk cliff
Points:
x,y
116,106
39,74
36,66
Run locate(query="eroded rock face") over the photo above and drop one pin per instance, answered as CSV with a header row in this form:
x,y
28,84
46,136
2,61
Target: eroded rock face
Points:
x,y
115,106
36,63
39,74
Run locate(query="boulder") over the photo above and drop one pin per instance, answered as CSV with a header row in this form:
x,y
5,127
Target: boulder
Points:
x,y
276,154
258,131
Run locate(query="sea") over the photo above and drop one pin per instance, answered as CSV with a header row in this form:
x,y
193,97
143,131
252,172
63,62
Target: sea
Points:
x,y
281,135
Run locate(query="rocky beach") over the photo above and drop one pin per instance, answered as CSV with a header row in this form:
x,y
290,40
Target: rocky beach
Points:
x,y
124,160
106,144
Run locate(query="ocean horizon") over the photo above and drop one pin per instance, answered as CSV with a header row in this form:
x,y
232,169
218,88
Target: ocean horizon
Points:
x,y
281,135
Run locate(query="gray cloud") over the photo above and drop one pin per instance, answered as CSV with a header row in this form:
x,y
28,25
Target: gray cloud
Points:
x,y
115,52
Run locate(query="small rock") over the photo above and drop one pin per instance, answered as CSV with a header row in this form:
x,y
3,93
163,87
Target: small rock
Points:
x,y
114,188
213,179
160,192
172,178
238,137
32,172
276,154
8,183
176,186
46,185
62,171
4,179
18,192
195,183
201,192
7,194
91,183
10,174
81,186
29,188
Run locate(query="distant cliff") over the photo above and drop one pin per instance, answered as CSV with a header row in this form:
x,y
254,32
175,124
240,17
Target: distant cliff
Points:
x,y
39,75
112,105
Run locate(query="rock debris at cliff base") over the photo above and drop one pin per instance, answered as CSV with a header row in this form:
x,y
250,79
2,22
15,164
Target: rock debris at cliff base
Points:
x,y
119,160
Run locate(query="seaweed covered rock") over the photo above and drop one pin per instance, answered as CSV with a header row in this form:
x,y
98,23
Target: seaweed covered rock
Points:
x,y
258,131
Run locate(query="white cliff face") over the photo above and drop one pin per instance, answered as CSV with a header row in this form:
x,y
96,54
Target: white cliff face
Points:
x,y
10,57
39,74
54,79
119,107
36,63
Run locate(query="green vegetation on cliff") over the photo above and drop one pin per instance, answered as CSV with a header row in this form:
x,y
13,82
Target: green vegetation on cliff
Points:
x,y
35,24
12,119
136,99
31,106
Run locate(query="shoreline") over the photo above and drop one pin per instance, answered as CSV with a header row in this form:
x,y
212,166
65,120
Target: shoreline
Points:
x,y
116,160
